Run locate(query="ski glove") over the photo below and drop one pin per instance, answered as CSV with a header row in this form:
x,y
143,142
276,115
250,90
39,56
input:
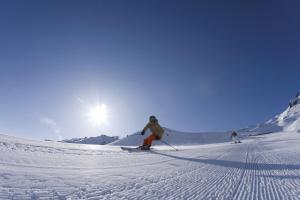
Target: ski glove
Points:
x,y
143,132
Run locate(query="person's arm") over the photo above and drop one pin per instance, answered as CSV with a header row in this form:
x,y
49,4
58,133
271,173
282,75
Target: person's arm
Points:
x,y
144,130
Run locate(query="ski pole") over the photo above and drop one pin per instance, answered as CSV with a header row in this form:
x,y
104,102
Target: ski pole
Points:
x,y
169,145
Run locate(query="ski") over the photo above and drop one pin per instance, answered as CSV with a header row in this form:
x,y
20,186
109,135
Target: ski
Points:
x,y
133,149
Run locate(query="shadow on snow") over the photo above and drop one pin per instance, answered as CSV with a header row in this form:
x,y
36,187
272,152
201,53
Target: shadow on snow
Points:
x,y
236,164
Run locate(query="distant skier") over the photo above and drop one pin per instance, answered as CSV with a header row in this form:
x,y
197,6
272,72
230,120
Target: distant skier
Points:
x,y
156,132
290,104
234,137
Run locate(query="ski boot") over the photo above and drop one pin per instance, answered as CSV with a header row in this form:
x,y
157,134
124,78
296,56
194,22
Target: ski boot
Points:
x,y
144,147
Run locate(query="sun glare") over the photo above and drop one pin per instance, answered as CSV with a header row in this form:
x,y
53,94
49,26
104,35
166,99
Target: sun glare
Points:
x,y
98,115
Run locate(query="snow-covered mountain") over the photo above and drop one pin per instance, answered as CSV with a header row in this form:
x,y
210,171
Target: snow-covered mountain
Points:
x,y
101,140
288,120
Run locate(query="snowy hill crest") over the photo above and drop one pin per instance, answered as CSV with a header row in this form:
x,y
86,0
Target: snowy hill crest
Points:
x,y
101,140
288,120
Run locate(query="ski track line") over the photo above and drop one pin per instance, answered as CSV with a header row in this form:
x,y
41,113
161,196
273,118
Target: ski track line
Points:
x,y
183,194
277,178
249,185
257,174
258,183
84,168
89,168
285,189
205,189
272,190
242,175
118,191
209,188
155,193
21,194
130,189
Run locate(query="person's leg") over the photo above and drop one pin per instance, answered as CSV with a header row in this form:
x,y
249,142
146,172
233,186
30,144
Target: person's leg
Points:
x,y
234,139
149,139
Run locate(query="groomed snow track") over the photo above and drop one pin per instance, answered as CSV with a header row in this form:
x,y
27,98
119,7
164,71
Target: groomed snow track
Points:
x,y
263,167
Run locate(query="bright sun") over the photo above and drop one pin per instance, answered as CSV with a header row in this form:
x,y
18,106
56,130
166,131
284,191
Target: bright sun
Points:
x,y
98,114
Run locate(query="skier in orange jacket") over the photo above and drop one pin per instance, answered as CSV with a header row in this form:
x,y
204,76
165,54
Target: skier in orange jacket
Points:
x,y
156,132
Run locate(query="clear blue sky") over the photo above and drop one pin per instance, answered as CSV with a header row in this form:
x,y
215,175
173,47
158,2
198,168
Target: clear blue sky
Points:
x,y
196,65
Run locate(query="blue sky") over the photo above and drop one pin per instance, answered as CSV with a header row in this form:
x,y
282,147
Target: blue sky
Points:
x,y
196,65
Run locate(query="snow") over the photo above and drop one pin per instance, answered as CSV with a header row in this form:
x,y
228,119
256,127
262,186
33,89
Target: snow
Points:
x,y
101,140
207,166
262,167
288,120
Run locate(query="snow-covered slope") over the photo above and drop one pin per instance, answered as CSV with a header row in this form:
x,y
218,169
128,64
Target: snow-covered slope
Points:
x,y
265,167
288,120
102,139
206,166
176,138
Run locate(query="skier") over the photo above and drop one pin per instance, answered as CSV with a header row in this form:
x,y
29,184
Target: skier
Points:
x,y
290,104
234,137
156,133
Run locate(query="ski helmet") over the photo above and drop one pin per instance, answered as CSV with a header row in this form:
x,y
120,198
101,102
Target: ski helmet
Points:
x,y
152,119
